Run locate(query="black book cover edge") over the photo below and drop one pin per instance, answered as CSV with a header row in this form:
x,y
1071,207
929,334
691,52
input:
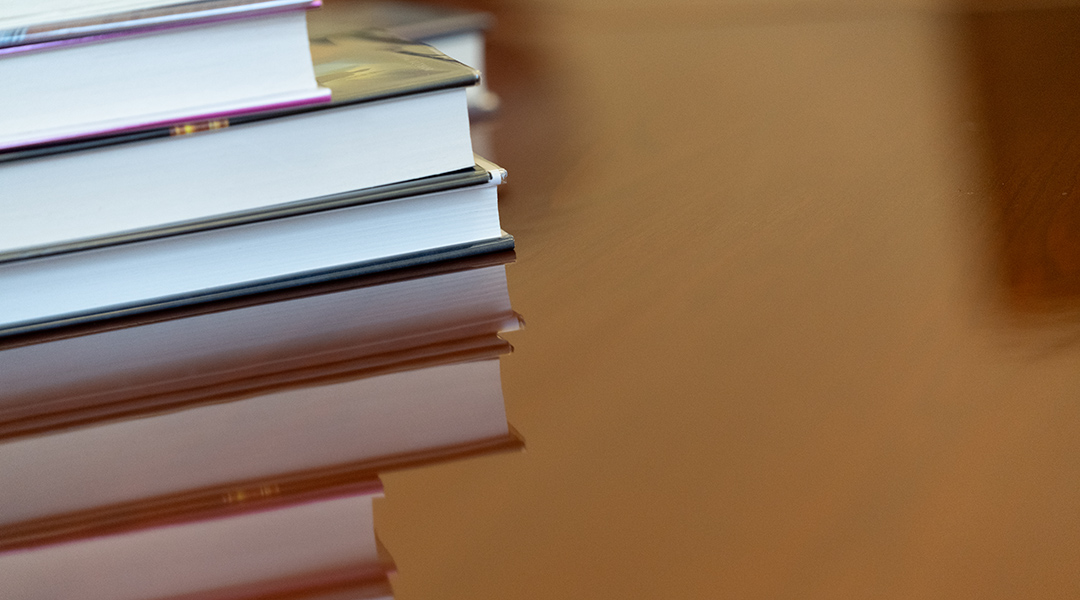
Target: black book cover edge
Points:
x,y
477,261
402,261
448,181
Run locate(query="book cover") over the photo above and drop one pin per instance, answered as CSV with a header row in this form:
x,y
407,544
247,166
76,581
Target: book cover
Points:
x,y
304,246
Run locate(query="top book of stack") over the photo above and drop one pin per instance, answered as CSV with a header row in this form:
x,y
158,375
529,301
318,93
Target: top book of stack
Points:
x,y
74,69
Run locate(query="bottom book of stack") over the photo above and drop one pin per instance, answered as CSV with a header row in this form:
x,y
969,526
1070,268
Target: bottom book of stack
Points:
x,y
231,454
416,222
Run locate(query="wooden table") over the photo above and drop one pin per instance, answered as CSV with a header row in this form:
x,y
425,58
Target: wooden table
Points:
x,y
803,301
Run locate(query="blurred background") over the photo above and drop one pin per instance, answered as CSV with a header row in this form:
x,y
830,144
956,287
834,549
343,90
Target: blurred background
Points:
x,y
801,283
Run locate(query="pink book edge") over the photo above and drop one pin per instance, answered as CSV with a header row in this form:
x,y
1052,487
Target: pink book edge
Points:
x,y
318,96
156,25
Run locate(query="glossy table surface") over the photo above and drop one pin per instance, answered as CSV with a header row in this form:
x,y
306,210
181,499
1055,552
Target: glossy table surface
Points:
x,y
803,300
802,290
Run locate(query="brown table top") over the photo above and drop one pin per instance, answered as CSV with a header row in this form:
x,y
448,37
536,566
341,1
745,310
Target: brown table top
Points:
x,y
802,293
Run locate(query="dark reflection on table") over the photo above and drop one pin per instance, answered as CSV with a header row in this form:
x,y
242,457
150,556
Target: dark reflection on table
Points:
x,y
234,450
1027,70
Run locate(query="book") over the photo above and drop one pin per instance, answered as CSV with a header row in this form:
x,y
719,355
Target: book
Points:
x,y
398,114
313,550
266,403
199,353
456,32
94,72
334,237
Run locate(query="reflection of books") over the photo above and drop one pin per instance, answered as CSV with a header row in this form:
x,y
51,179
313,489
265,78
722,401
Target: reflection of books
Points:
x,y
116,369
306,550
72,69
265,404
455,32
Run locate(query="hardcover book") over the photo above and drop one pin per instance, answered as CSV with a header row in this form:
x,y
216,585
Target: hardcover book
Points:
x,y
329,238
91,73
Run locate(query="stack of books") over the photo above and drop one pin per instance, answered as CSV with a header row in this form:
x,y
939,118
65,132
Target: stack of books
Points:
x,y
157,154
232,450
